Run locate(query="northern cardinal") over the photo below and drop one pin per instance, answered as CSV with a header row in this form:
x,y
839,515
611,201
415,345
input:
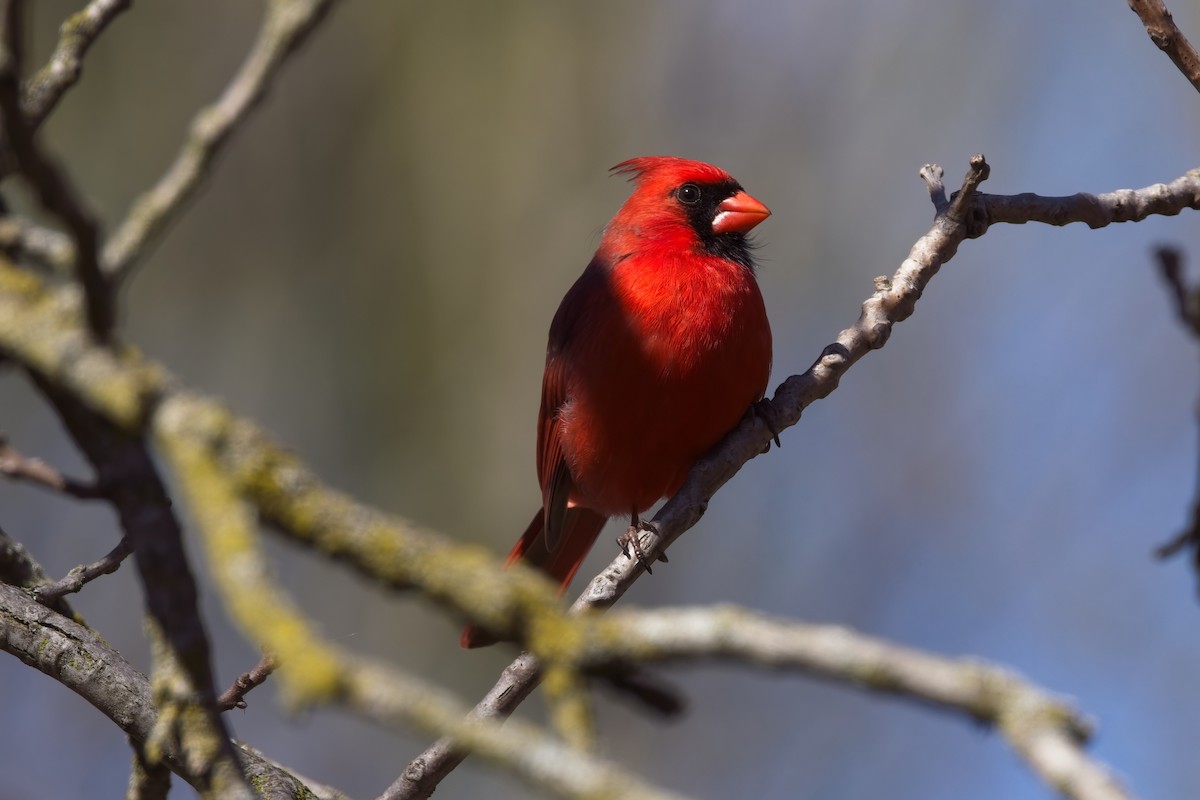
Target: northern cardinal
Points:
x,y
655,353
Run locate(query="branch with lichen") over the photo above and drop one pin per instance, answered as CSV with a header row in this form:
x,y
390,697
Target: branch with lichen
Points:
x,y
40,329
83,662
182,676
314,671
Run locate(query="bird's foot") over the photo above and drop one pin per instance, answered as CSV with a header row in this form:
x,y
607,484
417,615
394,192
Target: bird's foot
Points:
x,y
631,545
761,408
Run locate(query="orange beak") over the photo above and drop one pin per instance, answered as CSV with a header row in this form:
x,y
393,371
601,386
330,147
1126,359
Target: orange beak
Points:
x,y
738,214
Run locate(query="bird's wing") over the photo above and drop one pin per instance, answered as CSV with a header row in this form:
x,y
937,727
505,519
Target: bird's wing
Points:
x,y
554,474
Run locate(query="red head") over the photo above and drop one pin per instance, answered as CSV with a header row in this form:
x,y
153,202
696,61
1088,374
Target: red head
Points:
x,y
677,201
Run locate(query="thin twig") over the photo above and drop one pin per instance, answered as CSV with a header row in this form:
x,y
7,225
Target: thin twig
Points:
x,y
1186,300
286,26
46,86
15,466
51,184
19,568
235,695
84,574
1167,37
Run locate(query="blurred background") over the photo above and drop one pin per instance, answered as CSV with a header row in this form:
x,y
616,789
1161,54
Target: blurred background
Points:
x,y
373,267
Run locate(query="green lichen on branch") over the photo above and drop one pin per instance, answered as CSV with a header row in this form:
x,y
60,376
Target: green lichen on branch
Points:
x,y
40,328
309,668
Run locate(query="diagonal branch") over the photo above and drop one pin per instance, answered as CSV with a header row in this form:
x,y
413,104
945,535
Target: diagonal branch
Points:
x,y
1167,37
17,467
235,695
84,574
286,26
1186,300
968,215
41,93
46,87
892,302
183,668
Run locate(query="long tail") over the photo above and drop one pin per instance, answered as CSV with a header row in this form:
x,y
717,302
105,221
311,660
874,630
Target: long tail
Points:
x,y
580,529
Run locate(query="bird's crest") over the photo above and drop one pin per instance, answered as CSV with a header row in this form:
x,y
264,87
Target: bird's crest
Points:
x,y
671,167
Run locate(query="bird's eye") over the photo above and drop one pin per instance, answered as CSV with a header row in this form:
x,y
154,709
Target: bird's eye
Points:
x,y
688,194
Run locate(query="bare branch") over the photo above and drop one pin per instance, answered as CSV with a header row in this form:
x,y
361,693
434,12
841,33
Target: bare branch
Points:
x,y
84,574
541,760
235,695
1167,37
17,467
287,25
51,184
423,774
1046,731
1186,300
1094,210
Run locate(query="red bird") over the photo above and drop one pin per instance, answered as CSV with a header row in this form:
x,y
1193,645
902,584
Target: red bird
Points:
x,y
655,353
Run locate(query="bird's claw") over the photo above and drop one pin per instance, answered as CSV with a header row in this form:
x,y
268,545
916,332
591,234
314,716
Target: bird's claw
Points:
x,y
631,545
761,408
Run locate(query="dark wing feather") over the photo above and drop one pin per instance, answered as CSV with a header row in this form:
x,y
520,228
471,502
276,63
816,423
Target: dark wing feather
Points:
x,y
554,475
